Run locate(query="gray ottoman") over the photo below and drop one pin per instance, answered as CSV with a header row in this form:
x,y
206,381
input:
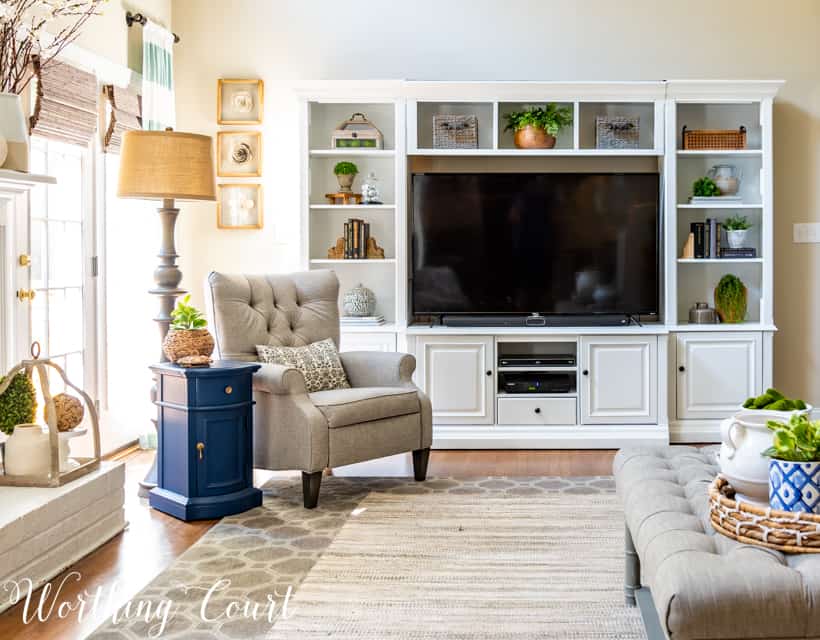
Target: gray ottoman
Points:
x,y
692,583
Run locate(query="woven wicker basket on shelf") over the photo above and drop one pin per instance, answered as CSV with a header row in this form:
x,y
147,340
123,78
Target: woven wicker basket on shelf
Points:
x,y
762,526
455,132
714,139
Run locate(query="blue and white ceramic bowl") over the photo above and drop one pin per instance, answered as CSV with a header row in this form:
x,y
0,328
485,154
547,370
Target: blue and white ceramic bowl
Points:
x,y
794,486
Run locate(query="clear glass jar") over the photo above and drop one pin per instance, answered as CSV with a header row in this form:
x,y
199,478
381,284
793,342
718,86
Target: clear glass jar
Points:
x,y
371,190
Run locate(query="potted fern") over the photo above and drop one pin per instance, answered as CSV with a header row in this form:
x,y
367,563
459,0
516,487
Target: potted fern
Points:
x,y
537,127
794,464
188,336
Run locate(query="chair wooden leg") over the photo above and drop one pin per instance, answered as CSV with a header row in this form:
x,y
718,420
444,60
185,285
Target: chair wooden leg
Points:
x,y
420,459
310,488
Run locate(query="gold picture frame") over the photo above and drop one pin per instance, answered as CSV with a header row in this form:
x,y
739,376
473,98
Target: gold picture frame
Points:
x,y
235,214
239,154
234,97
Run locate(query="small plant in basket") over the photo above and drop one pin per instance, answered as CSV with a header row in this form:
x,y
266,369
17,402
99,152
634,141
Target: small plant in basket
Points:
x,y
794,465
188,336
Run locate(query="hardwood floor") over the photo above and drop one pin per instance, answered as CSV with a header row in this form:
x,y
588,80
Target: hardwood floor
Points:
x,y
152,540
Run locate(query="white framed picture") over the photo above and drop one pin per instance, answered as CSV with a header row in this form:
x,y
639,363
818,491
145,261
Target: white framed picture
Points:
x,y
239,206
239,101
239,154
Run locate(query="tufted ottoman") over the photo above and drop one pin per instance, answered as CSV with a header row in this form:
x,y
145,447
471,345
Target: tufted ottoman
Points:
x,y
698,584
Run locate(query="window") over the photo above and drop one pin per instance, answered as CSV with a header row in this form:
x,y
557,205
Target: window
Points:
x,y
63,310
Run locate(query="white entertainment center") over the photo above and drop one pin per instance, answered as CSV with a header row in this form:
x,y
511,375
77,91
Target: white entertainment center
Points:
x,y
648,383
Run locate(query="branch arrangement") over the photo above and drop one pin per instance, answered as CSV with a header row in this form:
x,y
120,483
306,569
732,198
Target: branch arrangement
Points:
x,y
24,34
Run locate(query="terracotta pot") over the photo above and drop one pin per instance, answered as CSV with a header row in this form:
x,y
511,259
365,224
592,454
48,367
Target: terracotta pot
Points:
x,y
190,342
533,138
346,181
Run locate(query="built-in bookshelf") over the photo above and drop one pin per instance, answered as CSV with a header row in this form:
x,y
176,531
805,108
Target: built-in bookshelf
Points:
x,y
323,222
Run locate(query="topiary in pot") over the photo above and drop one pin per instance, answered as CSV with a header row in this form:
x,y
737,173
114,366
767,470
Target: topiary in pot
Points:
x,y
730,299
345,173
18,403
187,335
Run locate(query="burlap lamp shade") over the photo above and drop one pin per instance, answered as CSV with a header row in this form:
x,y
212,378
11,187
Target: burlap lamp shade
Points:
x,y
163,165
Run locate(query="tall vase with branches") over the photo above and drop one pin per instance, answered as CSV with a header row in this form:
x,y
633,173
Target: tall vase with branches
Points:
x,y
37,29
32,35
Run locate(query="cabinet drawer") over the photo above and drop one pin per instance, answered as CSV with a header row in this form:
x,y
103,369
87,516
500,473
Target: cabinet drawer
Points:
x,y
221,390
537,411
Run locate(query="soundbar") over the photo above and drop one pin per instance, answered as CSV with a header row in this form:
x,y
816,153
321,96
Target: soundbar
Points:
x,y
535,320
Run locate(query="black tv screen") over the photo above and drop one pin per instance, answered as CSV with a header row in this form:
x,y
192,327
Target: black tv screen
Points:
x,y
556,243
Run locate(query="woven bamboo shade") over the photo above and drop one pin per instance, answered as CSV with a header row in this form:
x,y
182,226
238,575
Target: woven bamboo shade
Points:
x,y
166,165
67,103
123,112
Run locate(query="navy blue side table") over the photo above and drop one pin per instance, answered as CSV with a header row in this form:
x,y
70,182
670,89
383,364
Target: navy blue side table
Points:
x,y
205,447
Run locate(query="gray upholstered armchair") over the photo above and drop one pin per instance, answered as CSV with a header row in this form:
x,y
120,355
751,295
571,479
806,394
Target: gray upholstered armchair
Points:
x,y
383,413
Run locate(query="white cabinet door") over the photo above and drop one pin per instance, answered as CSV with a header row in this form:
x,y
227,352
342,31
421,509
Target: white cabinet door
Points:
x,y
457,373
619,380
716,372
367,341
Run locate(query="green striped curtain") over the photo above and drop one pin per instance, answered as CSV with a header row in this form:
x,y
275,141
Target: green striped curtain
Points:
x,y
158,108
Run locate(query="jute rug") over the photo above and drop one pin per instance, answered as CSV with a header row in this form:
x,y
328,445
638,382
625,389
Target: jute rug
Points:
x,y
390,559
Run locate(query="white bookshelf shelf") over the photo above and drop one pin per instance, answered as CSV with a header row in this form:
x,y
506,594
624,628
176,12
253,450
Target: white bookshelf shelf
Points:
x,y
353,261
352,153
721,205
719,152
387,327
351,207
719,260
722,326
586,153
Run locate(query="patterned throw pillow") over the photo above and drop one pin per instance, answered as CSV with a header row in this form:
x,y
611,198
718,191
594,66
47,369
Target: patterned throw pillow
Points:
x,y
318,362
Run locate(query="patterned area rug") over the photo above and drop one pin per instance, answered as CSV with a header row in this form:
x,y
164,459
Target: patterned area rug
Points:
x,y
499,558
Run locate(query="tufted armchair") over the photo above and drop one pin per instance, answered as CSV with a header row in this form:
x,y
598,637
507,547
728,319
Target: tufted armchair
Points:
x,y
383,413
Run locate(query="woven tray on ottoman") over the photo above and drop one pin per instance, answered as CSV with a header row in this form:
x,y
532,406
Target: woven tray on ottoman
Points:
x,y
752,524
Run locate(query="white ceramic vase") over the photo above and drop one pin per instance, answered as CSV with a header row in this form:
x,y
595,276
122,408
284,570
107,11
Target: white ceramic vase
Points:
x,y
744,438
27,451
737,238
15,132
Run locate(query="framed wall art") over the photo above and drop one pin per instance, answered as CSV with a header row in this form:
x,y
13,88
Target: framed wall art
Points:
x,y
239,206
239,101
239,154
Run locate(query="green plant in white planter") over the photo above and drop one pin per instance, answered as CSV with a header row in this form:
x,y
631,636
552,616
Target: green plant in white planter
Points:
x,y
794,465
737,228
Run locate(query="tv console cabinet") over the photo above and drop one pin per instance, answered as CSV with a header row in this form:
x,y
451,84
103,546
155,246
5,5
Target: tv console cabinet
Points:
x,y
660,382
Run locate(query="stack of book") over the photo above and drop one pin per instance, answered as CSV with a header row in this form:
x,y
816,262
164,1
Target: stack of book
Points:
x,y
708,242
356,235
361,321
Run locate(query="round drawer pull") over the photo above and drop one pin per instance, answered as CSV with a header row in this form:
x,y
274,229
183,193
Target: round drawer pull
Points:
x,y
585,372
229,389
489,373
681,368
537,409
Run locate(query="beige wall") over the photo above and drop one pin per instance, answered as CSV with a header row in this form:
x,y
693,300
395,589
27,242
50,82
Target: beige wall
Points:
x,y
291,42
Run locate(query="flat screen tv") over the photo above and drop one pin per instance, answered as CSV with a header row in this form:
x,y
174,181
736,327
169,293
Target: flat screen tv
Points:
x,y
547,243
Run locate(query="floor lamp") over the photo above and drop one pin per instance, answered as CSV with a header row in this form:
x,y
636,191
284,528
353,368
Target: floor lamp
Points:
x,y
168,166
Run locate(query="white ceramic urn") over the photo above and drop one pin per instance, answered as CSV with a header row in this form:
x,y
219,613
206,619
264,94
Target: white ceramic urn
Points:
x,y
27,451
14,130
744,438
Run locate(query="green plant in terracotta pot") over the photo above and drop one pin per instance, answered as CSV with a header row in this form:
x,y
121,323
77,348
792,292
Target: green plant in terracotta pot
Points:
x,y
18,403
187,335
345,173
537,127
731,297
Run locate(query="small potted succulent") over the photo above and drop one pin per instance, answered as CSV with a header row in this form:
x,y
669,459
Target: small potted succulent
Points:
x,y
736,229
731,298
345,173
187,336
537,127
794,465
